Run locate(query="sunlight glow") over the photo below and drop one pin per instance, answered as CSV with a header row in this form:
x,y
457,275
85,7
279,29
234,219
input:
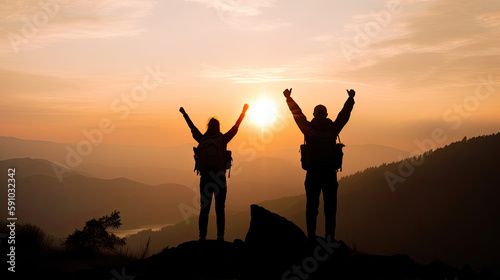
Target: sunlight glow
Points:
x,y
263,112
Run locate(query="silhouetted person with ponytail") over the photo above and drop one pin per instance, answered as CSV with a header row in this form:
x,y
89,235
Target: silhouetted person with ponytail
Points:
x,y
212,161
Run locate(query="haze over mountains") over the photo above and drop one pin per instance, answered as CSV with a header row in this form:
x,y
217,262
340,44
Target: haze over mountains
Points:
x,y
92,184
159,181
158,165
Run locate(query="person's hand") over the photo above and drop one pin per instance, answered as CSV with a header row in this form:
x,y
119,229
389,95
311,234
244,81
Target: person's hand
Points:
x,y
245,108
287,92
351,92
182,111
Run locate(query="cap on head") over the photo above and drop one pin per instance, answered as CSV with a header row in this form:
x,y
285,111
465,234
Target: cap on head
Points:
x,y
320,112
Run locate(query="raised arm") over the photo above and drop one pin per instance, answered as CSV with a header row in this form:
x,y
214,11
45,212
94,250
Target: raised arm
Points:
x,y
232,132
242,115
194,130
345,113
298,116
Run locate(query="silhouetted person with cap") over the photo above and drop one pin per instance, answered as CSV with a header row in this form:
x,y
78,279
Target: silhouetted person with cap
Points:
x,y
320,135
211,162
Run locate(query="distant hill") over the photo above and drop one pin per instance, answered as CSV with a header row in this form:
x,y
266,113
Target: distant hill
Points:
x,y
60,207
146,164
35,167
447,208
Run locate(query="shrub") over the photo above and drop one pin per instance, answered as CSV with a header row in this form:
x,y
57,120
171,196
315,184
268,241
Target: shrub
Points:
x,y
94,237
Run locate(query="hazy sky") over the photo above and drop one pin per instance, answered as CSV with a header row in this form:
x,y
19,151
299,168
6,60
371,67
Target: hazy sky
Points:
x,y
417,66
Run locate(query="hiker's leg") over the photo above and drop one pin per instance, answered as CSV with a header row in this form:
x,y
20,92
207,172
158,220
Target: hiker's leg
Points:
x,y
330,187
313,191
205,203
220,204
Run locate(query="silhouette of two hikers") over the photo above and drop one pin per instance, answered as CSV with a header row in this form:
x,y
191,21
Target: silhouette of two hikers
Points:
x,y
212,161
321,157
320,136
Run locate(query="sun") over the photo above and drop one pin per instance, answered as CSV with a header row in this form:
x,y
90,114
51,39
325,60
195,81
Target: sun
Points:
x,y
263,112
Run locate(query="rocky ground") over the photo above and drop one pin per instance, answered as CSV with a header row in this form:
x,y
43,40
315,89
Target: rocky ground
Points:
x,y
274,248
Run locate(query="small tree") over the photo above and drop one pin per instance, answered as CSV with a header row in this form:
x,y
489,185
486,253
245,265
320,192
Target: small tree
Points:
x,y
94,237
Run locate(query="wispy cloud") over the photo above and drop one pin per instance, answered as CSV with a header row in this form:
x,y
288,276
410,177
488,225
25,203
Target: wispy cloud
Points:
x,y
248,75
446,43
440,44
37,23
271,25
245,14
310,68
236,7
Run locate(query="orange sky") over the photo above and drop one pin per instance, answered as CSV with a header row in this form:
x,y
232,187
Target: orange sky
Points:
x,y
417,67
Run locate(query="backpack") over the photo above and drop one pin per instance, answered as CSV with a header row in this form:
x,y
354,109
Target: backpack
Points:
x,y
320,150
212,155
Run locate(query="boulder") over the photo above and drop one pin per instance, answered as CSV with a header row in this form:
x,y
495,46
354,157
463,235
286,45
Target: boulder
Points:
x,y
273,237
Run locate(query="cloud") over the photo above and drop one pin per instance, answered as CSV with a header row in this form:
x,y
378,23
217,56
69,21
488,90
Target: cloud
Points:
x,y
242,14
445,44
35,23
236,7
248,75
310,68
271,25
446,22
430,49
